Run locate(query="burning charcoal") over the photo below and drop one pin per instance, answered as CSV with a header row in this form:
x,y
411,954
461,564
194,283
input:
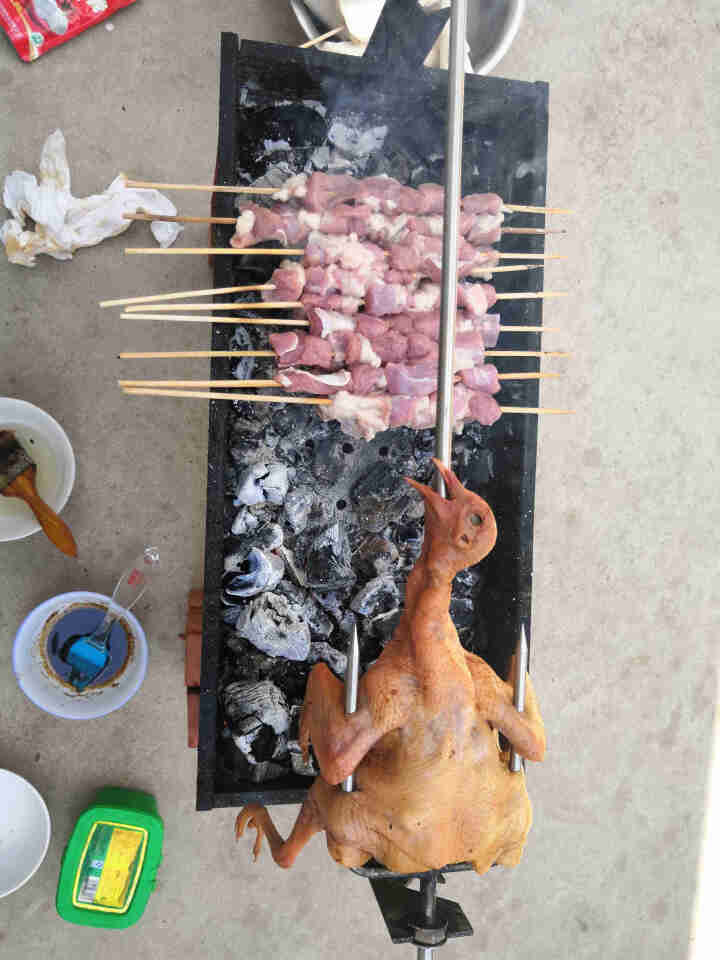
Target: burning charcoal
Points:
x,y
262,483
375,495
245,768
466,581
292,566
266,537
328,560
230,612
298,504
248,706
378,598
332,603
261,570
336,660
244,446
315,617
375,557
275,626
410,536
241,340
329,460
461,613
245,522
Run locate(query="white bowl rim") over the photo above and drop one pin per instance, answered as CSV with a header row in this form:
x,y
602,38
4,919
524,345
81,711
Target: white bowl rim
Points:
x,y
48,831
67,489
141,651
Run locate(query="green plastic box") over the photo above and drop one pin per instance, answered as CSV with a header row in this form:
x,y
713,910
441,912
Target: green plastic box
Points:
x,y
109,867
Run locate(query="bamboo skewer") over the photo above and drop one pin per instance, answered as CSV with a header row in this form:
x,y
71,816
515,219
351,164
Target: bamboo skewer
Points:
x,y
247,384
216,188
323,36
230,251
232,305
166,218
211,187
292,252
526,230
480,271
191,354
213,291
532,295
261,321
284,398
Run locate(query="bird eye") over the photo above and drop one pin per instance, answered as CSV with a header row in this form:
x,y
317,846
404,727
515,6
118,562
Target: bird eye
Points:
x,y
476,519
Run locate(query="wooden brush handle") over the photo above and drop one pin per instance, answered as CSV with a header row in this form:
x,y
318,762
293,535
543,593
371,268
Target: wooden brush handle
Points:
x,y
56,530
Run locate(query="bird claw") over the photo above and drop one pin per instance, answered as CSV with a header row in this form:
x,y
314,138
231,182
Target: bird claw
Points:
x,y
248,817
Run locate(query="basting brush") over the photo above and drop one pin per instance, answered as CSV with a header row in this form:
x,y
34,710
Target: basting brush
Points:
x,y
17,479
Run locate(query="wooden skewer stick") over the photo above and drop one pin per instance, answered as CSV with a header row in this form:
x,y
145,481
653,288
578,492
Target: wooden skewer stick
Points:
x,y
480,271
285,398
245,384
530,295
230,251
293,252
261,321
255,305
527,353
524,208
528,230
187,354
509,328
213,291
323,36
206,395
166,218
212,187
531,256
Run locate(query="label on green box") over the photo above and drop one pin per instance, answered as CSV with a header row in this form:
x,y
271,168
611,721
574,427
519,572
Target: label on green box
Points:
x,y
110,867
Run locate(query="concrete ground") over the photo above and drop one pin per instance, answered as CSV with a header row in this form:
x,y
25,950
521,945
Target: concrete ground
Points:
x,y
625,600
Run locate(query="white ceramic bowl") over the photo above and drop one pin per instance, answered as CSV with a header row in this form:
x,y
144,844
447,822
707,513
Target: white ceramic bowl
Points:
x,y
24,831
48,445
492,26
45,690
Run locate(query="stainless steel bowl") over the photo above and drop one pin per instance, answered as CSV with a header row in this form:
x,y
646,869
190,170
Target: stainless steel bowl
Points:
x,y
492,27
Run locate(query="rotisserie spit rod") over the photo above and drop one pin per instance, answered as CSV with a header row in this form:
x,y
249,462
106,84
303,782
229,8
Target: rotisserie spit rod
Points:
x,y
352,677
521,665
453,189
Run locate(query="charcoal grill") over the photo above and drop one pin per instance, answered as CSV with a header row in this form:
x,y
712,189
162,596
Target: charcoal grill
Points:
x,y
278,107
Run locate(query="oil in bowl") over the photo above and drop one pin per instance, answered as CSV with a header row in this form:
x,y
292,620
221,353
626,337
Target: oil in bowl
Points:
x,y
68,625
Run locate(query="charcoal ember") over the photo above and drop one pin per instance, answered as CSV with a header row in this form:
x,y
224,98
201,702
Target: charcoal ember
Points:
x,y
245,522
230,612
375,495
276,626
467,580
297,507
246,768
328,460
245,446
253,665
332,601
251,705
328,559
265,537
260,570
317,620
241,340
330,655
462,613
379,597
292,566
413,507
410,537
384,628
262,483
349,620
376,556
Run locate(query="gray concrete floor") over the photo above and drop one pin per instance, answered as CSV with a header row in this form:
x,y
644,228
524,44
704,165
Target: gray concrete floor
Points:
x,y
625,601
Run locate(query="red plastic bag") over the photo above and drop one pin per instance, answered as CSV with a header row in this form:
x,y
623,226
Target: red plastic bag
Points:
x,y
36,26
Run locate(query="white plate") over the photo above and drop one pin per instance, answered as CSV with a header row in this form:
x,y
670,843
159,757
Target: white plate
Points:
x,y
24,831
47,443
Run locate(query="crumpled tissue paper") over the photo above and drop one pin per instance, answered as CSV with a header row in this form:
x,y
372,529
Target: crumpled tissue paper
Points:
x,y
63,223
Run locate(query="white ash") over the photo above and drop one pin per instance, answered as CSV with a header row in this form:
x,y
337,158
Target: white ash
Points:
x,y
250,705
275,626
379,598
351,140
275,146
337,661
298,504
245,522
261,570
262,483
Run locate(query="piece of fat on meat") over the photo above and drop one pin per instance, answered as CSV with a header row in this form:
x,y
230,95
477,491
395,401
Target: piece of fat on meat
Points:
x,y
294,188
323,384
324,322
359,416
